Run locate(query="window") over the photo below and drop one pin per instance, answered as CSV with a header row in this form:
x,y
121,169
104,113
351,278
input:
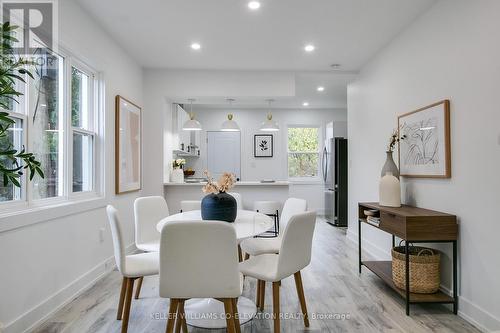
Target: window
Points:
x,y
56,120
46,130
303,152
82,130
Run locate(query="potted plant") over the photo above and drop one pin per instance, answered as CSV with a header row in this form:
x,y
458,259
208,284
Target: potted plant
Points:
x,y
218,204
177,175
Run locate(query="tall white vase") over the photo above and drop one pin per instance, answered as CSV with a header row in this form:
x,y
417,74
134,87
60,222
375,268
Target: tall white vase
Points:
x,y
177,176
389,191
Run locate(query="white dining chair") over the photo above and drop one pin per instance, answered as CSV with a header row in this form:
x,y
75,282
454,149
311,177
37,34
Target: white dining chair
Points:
x,y
257,246
237,197
148,211
192,265
189,205
294,255
131,267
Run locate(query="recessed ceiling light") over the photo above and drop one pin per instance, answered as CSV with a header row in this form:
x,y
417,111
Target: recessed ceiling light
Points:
x,y
195,46
254,5
309,48
320,88
305,104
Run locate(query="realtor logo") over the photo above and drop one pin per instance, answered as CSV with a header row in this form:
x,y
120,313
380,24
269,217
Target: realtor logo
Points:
x,y
36,21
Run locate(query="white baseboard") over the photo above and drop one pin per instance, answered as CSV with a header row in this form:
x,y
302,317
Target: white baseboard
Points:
x,y
477,316
41,312
467,310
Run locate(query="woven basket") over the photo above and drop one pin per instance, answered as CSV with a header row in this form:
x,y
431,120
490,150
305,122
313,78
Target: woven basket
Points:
x,y
424,269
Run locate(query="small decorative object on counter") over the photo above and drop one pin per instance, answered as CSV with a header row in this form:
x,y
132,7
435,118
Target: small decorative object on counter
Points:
x,y
177,174
424,269
218,205
389,191
389,165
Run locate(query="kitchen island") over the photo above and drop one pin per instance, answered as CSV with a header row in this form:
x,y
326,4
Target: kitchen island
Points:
x,y
250,191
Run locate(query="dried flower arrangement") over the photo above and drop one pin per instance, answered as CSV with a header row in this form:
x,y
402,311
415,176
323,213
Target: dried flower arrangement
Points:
x,y
224,184
178,163
395,138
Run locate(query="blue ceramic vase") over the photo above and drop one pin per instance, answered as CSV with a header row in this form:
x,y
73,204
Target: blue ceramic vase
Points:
x,y
219,207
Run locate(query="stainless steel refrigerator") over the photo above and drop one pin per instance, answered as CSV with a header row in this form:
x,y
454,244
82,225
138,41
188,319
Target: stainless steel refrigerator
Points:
x,y
334,170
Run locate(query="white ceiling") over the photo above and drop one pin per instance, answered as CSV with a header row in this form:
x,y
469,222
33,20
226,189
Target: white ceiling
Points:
x,y
158,34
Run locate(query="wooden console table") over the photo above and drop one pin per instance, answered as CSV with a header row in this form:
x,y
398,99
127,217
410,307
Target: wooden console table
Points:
x,y
413,225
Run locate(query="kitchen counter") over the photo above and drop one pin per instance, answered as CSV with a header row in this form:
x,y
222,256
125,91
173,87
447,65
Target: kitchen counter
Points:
x,y
250,192
242,183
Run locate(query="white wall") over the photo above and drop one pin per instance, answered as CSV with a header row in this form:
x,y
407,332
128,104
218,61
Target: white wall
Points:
x,y
45,264
452,52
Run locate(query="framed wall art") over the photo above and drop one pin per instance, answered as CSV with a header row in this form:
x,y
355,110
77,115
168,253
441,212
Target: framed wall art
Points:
x,y
425,151
263,145
128,143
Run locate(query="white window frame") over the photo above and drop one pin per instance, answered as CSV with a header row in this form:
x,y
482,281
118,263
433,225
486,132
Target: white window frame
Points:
x,y
314,179
96,124
93,125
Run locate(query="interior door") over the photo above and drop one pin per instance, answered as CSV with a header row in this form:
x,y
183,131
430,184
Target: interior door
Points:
x,y
223,153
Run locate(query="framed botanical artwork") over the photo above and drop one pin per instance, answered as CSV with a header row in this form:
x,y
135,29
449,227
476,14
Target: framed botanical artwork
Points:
x,y
128,143
425,151
263,145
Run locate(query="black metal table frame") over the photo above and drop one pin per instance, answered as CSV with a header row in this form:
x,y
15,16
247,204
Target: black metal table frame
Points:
x,y
407,270
272,233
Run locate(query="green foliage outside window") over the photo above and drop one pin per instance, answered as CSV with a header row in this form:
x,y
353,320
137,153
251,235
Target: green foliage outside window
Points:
x,y
303,152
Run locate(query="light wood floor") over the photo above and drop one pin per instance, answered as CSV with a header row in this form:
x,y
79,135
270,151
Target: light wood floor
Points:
x,y
332,286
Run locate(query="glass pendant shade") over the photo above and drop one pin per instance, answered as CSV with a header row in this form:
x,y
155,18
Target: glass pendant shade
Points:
x,y
269,125
192,124
230,125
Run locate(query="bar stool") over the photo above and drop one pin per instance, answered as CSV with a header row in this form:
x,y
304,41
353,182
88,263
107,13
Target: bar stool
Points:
x,y
270,208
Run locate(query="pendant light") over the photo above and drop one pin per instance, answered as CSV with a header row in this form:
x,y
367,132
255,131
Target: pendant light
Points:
x,y
230,125
191,124
269,124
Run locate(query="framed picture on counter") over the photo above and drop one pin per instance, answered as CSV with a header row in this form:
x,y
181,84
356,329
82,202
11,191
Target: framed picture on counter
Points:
x,y
425,151
263,145
128,144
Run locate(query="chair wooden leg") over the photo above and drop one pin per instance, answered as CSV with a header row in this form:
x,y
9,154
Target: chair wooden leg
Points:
x,y
228,309
276,307
172,314
236,315
138,288
240,254
128,303
122,298
180,320
257,298
183,317
262,294
302,299
247,256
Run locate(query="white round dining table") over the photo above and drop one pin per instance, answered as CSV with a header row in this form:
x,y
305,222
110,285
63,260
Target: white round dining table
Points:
x,y
208,312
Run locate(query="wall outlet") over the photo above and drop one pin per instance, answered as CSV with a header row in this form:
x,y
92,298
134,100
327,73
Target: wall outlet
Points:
x,y
101,234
